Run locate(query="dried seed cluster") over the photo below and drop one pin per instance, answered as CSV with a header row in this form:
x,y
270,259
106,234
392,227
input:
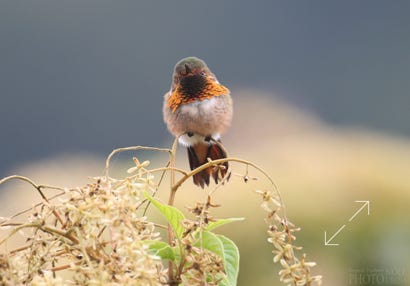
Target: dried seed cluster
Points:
x,y
201,266
281,234
98,235
93,235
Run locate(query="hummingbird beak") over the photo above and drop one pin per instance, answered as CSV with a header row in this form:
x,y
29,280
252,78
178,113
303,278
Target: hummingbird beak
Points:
x,y
187,69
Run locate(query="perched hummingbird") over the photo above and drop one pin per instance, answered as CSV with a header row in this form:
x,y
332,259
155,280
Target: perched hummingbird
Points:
x,y
199,109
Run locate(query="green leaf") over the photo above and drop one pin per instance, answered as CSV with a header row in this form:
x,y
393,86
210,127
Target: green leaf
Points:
x,y
227,250
214,224
173,215
161,249
211,242
231,261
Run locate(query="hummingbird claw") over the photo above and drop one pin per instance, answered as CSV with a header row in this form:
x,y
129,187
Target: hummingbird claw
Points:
x,y
190,134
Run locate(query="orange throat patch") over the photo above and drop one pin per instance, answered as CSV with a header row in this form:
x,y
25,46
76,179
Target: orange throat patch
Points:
x,y
211,89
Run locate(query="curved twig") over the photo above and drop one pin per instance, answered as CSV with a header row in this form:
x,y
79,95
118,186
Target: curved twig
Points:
x,y
39,190
211,163
132,148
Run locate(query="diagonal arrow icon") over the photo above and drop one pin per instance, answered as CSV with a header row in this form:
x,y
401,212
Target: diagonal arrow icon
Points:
x,y
328,242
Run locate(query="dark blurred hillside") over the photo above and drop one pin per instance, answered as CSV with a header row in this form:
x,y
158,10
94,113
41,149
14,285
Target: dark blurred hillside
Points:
x,y
89,75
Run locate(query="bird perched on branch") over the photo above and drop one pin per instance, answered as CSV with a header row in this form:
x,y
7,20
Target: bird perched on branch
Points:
x,y
199,109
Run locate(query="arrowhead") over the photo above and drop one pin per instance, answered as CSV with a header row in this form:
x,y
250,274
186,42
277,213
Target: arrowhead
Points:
x,y
365,204
327,241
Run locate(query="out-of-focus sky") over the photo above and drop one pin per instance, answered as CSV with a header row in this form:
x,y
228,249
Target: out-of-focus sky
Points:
x,y
89,76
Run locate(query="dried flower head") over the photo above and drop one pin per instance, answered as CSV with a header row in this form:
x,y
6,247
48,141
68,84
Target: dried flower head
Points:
x,y
281,234
99,235
96,233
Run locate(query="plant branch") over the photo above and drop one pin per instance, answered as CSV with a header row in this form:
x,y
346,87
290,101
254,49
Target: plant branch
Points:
x,y
211,163
132,148
39,189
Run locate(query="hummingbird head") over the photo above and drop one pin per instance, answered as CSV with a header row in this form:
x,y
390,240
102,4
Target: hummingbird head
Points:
x,y
190,66
193,80
191,75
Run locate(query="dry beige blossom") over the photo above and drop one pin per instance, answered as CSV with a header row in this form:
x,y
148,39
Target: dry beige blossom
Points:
x,y
99,234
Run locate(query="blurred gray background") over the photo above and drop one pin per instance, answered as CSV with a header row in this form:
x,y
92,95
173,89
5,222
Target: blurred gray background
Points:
x,y
89,76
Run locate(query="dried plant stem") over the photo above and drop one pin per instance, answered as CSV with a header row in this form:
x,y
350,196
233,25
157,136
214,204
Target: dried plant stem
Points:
x,y
63,267
38,188
45,228
172,166
171,278
36,205
132,148
162,169
211,163
31,182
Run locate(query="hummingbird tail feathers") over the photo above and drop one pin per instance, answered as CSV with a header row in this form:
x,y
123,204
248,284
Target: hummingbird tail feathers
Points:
x,y
198,155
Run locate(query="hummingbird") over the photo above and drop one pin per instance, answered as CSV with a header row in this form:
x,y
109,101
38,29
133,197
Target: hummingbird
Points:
x,y
198,110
